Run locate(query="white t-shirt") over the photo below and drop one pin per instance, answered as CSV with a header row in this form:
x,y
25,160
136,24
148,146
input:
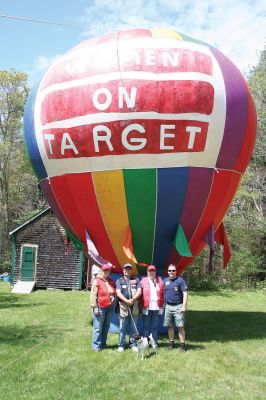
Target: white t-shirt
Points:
x,y
153,295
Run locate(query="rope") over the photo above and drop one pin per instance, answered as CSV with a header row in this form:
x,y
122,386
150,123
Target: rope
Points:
x,y
28,351
135,327
40,21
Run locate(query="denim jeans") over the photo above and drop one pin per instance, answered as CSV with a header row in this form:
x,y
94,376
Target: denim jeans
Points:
x,y
127,326
150,324
101,324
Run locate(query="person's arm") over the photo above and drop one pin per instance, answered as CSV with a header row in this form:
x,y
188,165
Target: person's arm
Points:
x,y
184,305
129,302
94,294
137,295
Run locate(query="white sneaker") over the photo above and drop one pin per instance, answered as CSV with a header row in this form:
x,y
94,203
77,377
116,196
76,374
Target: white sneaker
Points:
x,y
134,348
120,349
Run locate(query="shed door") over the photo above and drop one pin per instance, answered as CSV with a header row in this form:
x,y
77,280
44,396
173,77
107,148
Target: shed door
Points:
x,y
28,263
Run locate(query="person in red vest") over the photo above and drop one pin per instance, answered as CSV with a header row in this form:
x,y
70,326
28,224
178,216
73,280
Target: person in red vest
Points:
x,y
152,302
102,303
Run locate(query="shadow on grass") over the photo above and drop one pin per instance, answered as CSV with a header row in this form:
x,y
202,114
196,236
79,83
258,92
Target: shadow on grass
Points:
x,y
189,346
28,335
13,300
211,293
223,326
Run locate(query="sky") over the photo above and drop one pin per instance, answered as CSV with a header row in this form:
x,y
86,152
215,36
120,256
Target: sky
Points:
x,y
237,28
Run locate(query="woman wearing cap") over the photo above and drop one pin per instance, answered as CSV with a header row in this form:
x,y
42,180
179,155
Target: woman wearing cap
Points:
x,y
153,302
102,304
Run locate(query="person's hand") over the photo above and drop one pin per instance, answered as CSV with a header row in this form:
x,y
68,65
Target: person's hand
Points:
x,y
96,311
183,309
130,302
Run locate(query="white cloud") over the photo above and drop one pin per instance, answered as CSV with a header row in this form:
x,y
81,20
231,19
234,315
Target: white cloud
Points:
x,y
43,62
236,28
40,65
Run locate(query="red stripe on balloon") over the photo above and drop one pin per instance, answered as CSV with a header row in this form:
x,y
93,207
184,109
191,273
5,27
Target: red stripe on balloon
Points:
x,y
110,37
76,194
163,97
249,136
216,206
80,141
134,34
49,194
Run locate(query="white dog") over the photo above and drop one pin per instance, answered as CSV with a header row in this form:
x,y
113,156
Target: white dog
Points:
x,y
143,345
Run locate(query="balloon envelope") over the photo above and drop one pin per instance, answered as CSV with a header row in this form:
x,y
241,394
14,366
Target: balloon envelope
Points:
x,y
143,128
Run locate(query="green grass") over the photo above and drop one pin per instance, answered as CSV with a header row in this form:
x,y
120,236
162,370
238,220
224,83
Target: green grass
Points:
x,y
45,351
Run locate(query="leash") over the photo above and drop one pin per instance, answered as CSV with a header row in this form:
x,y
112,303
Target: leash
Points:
x,y
135,327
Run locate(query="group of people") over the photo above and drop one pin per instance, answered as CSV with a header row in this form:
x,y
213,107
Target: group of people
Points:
x,y
131,298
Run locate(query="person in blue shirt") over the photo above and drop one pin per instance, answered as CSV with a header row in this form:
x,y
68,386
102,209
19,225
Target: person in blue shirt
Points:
x,y
176,295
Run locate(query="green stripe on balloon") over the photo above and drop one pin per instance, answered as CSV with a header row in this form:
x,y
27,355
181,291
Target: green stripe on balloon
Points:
x,y
187,38
141,192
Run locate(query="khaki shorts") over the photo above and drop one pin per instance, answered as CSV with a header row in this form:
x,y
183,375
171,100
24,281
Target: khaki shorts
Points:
x,y
173,316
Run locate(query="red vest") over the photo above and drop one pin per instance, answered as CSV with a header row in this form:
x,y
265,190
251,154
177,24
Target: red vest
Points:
x,y
103,294
146,291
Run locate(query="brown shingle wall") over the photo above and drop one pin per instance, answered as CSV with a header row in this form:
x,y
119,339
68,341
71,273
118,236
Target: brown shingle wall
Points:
x,y
54,269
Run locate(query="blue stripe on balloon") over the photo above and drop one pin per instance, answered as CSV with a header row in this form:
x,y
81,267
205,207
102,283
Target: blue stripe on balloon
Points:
x,y
30,138
172,185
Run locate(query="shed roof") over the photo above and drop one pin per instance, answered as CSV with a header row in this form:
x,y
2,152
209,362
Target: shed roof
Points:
x,y
30,221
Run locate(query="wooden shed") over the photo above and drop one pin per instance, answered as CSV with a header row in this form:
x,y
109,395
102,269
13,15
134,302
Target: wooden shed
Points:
x,y
39,254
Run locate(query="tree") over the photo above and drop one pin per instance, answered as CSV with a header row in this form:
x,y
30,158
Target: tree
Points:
x,y
18,186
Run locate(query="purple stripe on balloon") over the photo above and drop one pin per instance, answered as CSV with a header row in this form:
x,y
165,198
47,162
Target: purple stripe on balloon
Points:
x,y
236,112
198,189
49,194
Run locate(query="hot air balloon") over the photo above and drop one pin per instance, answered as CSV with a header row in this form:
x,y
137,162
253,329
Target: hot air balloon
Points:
x,y
141,134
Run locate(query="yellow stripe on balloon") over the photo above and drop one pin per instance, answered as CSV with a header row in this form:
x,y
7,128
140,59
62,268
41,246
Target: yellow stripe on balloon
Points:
x,y
166,33
110,192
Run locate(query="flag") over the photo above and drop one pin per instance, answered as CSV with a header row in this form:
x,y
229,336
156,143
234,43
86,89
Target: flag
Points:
x,y
93,252
181,243
209,239
128,248
77,243
221,237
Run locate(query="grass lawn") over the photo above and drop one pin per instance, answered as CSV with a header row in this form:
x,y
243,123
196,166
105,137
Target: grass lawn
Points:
x,y
45,351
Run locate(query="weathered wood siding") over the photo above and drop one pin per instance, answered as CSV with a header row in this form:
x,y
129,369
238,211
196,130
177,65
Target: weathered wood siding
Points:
x,y
54,269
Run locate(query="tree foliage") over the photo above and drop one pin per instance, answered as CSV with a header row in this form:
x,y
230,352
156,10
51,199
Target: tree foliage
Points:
x,y
18,185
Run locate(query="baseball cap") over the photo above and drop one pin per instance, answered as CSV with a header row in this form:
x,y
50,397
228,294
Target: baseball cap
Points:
x,y
127,265
151,268
106,267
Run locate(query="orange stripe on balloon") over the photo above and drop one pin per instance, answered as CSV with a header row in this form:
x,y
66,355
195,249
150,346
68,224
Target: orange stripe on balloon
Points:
x,y
110,192
224,186
76,193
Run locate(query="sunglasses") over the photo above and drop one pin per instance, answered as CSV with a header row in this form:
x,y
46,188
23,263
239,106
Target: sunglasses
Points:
x,y
171,270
